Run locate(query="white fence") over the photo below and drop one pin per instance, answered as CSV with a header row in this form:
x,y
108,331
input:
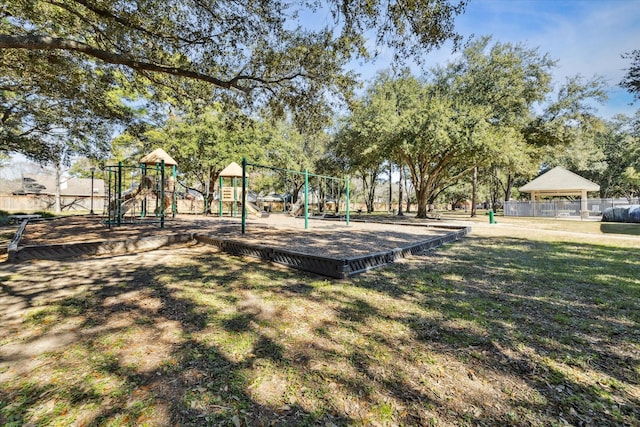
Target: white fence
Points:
x,y
563,208
35,203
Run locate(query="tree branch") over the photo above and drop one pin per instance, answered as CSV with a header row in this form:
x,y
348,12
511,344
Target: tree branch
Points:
x,y
41,42
38,42
106,14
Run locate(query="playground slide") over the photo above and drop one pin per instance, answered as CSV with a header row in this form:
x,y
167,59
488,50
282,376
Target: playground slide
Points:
x,y
253,208
126,199
297,209
130,197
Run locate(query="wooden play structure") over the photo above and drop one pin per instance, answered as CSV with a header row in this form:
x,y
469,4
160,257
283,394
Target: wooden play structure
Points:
x,y
142,193
230,194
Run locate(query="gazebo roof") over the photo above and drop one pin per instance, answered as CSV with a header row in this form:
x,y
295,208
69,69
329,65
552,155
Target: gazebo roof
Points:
x,y
233,170
156,156
559,180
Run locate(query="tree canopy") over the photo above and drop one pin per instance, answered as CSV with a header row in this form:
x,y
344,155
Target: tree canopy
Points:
x,y
49,105
611,157
631,80
254,52
481,110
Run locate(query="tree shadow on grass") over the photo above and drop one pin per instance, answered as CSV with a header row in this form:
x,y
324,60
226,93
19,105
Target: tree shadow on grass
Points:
x,y
135,356
561,316
201,338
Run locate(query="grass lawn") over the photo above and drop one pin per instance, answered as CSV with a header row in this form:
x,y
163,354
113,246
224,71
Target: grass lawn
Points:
x,y
518,324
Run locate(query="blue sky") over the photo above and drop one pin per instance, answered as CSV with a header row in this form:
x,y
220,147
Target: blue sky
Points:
x,y
586,37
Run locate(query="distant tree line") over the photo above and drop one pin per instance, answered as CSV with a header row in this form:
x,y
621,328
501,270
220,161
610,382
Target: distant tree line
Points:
x,y
108,82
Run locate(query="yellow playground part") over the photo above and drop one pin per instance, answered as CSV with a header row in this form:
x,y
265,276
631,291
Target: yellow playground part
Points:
x,y
254,209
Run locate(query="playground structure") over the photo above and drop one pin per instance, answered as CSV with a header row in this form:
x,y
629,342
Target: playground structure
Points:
x,y
151,191
302,206
229,195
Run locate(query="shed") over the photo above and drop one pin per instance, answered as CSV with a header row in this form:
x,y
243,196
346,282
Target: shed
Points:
x,y
560,182
42,184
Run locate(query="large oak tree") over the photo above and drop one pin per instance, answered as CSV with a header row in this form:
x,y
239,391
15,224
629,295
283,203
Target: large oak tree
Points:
x,y
481,110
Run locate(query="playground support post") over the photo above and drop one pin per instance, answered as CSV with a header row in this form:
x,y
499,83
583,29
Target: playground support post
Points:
x,y
93,169
220,197
143,212
109,210
119,208
306,199
234,208
157,192
162,193
348,202
174,200
244,193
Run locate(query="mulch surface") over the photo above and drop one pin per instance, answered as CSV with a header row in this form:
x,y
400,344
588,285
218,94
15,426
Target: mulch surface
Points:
x,y
328,238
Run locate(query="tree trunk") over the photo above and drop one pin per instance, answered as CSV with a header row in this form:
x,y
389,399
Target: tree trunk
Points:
x,y
297,186
422,196
406,187
400,184
366,193
212,178
474,192
207,192
507,191
431,201
58,204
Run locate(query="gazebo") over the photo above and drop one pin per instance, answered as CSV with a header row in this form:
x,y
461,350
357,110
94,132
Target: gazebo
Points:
x,y
559,182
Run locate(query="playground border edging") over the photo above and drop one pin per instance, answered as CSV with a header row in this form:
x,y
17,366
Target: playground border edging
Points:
x,y
339,268
100,248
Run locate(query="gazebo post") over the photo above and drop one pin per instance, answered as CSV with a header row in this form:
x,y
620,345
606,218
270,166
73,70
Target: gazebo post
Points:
x,y
584,209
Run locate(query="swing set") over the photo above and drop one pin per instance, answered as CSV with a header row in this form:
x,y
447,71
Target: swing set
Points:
x,y
306,174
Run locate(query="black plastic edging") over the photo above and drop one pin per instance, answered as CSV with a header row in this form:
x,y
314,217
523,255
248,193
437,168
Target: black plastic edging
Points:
x,y
339,268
